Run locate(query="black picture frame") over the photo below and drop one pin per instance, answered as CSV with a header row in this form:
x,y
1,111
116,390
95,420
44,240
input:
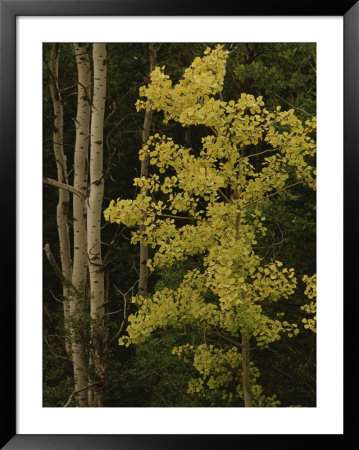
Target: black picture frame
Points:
x,y
9,10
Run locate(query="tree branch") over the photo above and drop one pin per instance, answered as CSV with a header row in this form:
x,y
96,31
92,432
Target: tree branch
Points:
x,y
64,186
289,104
126,308
271,195
56,268
269,150
53,263
79,390
59,356
178,217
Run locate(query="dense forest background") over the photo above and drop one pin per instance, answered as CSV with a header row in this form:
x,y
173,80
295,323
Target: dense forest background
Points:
x,y
148,373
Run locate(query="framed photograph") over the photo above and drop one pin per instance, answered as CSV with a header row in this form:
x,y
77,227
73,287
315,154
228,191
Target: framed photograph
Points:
x,y
173,179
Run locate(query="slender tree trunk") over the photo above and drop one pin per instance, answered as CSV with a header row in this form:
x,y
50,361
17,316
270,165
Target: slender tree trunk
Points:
x,y
77,304
64,196
245,371
246,356
142,284
94,215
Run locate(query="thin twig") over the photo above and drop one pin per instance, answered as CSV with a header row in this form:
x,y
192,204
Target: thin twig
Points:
x,y
295,107
77,391
271,195
60,356
126,308
269,150
56,268
55,298
224,195
178,217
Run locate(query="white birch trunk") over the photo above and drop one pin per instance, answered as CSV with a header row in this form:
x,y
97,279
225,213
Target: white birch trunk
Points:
x,y
77,303
94,215
64,196
143,277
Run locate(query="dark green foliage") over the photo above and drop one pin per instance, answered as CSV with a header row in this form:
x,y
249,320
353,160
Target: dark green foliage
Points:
x,y
152,377
283,73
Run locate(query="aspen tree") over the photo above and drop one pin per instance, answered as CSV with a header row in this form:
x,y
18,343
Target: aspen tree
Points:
x,y
88,357
77,305
221,195
64,196
94,214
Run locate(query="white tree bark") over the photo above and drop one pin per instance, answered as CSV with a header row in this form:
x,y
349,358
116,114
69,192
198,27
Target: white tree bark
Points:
x,y
80,165
94,215
78,300
143,277
64,196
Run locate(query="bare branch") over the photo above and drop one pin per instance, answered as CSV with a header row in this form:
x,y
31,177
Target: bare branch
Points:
x,y
269,150
271,195
224,195
53,263
178,217
56,268
127,304
55,298
64,186
60,356
295,107
79,390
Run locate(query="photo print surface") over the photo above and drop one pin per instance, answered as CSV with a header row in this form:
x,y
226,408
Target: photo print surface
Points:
x,y
179,224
